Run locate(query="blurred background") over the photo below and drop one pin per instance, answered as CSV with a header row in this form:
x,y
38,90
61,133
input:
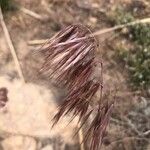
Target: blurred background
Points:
x,y
25,122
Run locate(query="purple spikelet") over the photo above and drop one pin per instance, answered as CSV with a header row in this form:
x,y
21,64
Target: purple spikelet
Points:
x,y
70,61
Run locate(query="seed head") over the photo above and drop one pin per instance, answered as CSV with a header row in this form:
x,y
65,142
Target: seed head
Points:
x,y
70,61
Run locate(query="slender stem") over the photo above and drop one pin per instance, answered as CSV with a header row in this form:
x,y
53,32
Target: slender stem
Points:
x,y
107,30
97,33
11,47
31,13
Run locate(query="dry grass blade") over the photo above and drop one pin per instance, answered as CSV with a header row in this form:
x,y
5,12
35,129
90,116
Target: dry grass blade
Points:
x,y
98,126
78,101
11,47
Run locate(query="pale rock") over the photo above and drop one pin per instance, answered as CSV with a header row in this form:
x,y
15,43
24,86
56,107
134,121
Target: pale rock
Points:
x,y
48,147
19,143
30,110
93,20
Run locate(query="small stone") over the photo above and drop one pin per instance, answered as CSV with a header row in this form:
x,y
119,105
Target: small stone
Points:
x,y
95,5
147,111
143,102
47,147
111,1
93,20
125,30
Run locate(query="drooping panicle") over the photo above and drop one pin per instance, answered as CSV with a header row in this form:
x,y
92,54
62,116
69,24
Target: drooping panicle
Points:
x,y
70,61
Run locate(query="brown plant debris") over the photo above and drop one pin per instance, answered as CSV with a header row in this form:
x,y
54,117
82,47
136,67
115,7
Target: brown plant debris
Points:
x,y
3,97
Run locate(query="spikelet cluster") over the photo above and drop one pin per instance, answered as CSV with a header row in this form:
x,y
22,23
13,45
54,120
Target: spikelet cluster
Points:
x,y
70,61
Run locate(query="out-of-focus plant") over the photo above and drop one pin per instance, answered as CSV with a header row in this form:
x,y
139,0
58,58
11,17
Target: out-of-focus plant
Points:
x,y
138,64
141,34
6,5
119,16
70,61
138,58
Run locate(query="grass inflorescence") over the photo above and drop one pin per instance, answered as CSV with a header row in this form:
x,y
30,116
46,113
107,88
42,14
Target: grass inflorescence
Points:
x,y
137,58
71,63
